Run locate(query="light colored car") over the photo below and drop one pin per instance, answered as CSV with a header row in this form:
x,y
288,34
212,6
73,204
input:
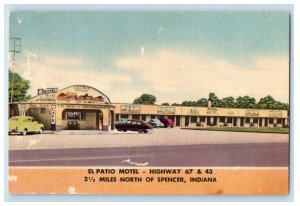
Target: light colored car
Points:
x,y
24,125
156,123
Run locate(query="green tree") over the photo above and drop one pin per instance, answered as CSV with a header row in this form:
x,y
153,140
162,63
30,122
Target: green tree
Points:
x,y
227,102
215,102
189,103
203,102
145,99
266,102
245,102
269,102
20,87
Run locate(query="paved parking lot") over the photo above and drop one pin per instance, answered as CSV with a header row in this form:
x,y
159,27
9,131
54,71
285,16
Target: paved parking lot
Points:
x,y
158,137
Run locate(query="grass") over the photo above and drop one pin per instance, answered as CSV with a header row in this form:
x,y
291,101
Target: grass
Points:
x,y
230,129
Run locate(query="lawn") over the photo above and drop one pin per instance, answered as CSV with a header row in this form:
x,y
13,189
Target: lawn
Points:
x,y
230,129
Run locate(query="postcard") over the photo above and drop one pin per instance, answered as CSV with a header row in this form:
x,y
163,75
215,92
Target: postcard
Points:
x,y
148,102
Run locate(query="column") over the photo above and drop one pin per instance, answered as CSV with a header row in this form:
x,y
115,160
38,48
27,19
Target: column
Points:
x,y
182,121
148,117
238,122
205,121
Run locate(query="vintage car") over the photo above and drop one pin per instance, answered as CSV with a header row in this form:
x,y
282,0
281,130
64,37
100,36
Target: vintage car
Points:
x,y
167,122
134,125
156,123
24,125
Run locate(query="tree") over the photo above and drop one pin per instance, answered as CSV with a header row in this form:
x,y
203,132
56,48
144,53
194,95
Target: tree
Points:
x,y
215,102
145,99
20,87
266,102
189,103
227,102
245,102
165,104
202,102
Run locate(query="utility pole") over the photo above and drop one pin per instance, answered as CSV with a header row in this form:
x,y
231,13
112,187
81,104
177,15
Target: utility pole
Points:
x,y
16,48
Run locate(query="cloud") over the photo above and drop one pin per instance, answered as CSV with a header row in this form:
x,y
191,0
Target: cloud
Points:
x,y
49,71
179,76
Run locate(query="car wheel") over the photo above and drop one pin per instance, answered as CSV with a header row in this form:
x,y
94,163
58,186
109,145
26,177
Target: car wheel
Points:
x,y
145,131
24,132
140,131
124,130
41,131
119,130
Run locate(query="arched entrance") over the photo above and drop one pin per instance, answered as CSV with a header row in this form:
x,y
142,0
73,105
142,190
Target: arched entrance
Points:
x,y
42,115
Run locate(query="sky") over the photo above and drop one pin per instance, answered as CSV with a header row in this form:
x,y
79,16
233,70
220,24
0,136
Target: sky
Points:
x,y
175,56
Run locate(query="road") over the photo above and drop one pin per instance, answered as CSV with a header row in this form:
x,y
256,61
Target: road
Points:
x,y
158,137
213,155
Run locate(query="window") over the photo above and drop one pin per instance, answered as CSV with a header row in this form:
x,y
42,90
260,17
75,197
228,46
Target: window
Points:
x,y
255,120
247,120
135,116
125,116
202,119
222,119
43,110
152,116
229,119
271,121
144,117
193,119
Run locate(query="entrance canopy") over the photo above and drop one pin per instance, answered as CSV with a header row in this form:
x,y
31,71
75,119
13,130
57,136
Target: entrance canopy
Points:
x,y
80,94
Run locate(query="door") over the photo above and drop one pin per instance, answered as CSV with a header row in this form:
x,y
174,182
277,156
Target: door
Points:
x,y
91,120
187,121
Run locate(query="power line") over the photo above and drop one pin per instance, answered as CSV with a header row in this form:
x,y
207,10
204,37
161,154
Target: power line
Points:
x,y
16,48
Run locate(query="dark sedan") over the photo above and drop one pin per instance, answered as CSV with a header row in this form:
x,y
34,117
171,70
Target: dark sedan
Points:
x,y
134,125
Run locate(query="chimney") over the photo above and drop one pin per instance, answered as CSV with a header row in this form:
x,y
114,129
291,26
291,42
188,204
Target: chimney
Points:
x,y
209,104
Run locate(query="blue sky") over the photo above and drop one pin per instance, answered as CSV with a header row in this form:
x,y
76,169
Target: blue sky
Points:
x,y
176,56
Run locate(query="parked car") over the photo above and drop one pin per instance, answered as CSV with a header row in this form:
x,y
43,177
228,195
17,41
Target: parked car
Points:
x,y
167,122
121,121
134,125
156,123
24,125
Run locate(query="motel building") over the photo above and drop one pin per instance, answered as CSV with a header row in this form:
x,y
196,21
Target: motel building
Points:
x,y
86,108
